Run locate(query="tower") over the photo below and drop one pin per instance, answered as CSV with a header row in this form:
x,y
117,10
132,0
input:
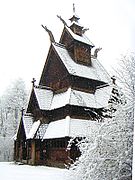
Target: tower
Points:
x,y
72,92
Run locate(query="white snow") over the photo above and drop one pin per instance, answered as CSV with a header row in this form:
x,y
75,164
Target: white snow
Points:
x,y
44,97
74,97
61,99
66,127
11,171
56,129
82,38
76,23
33,130
69,127
83,128
27,122
96,71
41,131
102,96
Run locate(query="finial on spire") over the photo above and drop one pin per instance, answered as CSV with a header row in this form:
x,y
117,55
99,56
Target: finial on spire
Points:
x,y
74,8
74,17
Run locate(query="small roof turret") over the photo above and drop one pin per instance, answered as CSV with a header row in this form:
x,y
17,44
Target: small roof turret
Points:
x,y
74,18
75,26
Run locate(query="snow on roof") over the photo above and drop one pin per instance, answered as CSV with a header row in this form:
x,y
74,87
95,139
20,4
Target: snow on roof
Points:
x,y
44,97
27,122
82,38
69,127
102,96
82,128
33,129
41,131
97,100
76,23
96,71
74,97
57,129
61,99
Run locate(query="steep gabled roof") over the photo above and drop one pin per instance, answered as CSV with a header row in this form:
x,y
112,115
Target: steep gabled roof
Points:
x,y
33,129
96,71
78,98
50,101
70,128
82,38
61,99
27,123
73,97
44,97
41,131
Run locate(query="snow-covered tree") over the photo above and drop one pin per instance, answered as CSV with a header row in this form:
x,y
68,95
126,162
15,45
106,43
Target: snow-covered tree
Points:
x,y
107,154
11,103
126,76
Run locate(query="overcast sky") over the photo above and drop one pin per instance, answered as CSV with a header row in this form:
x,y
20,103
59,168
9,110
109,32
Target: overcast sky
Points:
x,y
24,43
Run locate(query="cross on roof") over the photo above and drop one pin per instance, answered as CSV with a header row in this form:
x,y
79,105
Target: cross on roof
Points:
x,y
73,8
33,82
22,111
113,79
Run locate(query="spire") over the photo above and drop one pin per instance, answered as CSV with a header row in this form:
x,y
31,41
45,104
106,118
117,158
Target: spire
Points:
x,y
75,26
74,18
73,8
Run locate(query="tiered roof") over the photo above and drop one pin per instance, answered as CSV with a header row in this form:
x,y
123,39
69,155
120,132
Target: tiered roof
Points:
x,y
72,97
33,129
83,38
69,128
48,100
96,71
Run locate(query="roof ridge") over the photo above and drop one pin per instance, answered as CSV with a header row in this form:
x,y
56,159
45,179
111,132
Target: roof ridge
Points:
x,y
59,44
43,87
28,114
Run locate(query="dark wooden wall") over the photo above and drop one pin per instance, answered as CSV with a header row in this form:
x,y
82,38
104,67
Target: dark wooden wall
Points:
x,y
55,75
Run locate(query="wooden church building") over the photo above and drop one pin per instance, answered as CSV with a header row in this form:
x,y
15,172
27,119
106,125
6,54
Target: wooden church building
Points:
x,y
73,90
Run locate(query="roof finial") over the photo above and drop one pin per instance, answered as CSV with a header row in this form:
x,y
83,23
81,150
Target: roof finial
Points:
x,y
62,20
74,8
50,33
22,111
74,17
33,82
96,52
113,79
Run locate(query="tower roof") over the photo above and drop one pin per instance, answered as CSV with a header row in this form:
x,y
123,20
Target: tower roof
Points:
x,y
75,17
96,71
75,25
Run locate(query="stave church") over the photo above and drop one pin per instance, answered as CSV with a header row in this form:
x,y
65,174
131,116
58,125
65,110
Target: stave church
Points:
x,y
69,101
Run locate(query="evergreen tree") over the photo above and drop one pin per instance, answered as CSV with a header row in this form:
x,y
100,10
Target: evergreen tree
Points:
x,y
11,103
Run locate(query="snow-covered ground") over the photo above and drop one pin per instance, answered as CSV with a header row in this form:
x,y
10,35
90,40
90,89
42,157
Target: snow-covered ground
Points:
x,y
11,171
